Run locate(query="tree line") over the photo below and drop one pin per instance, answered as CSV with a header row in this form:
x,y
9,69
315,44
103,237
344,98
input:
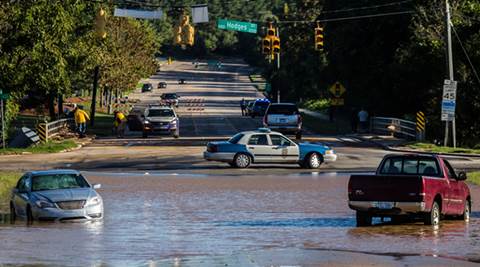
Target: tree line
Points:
x,y
389,54
48,51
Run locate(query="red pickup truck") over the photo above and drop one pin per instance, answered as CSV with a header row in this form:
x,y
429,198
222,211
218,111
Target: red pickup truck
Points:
x,y
412,185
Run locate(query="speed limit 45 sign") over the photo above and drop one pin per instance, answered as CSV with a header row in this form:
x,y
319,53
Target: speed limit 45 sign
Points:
x,y
449,100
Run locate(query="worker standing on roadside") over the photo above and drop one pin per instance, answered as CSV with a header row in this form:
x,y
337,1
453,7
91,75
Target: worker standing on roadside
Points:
x,y
119,123
81,118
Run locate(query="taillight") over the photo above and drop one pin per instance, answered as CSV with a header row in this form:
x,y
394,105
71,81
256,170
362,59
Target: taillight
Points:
x,y
212,148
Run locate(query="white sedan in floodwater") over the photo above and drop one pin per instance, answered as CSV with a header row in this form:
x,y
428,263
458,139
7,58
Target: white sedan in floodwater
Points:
x,y
55,195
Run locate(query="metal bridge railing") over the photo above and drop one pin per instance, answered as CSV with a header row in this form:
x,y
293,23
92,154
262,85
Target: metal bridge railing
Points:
x,y
48,130
394,126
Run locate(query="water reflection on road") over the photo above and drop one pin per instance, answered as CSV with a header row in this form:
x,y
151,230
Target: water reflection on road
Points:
x,y
155,217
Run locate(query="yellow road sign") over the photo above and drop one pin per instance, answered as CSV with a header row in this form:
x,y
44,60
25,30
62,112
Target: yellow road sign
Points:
x,y
337,89
421,122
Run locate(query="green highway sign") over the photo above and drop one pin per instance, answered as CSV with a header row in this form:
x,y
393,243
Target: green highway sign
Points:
x,y
238,26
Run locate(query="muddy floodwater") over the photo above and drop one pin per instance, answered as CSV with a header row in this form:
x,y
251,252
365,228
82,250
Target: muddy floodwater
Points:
x,y
154,217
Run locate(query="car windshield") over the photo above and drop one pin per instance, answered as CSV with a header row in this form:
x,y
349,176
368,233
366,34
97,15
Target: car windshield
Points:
x,y
170,96
283,109
235,138
411,166
58,181
160,113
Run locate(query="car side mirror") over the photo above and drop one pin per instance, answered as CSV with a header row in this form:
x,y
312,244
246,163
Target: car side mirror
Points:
x,y
462,176
96,186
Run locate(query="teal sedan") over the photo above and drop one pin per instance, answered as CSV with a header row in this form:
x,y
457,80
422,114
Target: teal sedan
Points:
x,y
266,146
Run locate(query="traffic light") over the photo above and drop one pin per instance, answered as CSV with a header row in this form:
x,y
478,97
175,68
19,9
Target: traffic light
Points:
x,y
319,38
183,32
271,32
101,23
275,45
189,36
177,35
267,46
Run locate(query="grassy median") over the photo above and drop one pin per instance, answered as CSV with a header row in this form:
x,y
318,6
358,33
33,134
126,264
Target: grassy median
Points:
x,y
428,147
474,178
8,180
48,147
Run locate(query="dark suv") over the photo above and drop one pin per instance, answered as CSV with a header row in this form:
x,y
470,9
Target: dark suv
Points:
x,y
147,87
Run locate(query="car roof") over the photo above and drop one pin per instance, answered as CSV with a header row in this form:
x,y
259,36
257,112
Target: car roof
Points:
x,y
260,131
413,155
51,172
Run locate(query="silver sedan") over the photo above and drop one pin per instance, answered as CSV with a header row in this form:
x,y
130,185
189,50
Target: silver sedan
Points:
x,y
55,195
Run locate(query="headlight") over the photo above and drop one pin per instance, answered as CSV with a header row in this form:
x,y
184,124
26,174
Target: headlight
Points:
x,y
146,122
330,151
93,201
44,204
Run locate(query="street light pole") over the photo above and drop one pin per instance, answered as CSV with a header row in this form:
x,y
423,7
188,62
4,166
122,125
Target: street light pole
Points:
x,y
278,67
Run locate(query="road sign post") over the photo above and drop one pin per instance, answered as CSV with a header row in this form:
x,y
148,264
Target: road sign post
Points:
x,y
337,91
239,26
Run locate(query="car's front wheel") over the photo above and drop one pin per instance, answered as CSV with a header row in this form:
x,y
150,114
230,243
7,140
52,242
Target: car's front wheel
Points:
x,y
314,160
29,215
13,213
363,219
242,160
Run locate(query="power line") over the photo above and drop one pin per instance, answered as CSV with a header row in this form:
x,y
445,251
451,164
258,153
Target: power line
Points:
x,y
466,54
345,18
365,7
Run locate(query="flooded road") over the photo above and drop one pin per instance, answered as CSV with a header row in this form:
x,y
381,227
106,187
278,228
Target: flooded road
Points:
x,y
153,218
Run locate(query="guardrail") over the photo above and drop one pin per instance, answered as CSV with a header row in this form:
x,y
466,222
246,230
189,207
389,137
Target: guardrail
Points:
x,y
48,130
393,126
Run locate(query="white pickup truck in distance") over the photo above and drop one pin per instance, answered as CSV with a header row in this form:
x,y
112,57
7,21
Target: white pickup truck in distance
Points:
x,y
284,118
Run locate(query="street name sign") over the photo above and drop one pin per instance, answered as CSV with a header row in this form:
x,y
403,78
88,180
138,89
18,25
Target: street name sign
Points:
x,y
238,26
449,100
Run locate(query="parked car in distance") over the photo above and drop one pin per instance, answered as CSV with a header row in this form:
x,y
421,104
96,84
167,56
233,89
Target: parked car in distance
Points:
x,y
265,146
259,107
161,119
181,81
284,118
147,87
55,195
170,99
161,85
413,185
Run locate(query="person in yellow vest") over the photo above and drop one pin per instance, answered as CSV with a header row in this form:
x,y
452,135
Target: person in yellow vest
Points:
x,y
119,123
81,118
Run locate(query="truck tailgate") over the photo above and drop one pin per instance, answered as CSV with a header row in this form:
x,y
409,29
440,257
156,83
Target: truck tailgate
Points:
x,y
399,188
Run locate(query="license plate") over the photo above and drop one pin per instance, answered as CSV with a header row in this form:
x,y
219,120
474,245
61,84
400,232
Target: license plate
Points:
x,y
383,205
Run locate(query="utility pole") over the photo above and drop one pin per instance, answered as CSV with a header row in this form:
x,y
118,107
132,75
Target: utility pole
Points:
x,y
94,95
278,67
450,70
3,120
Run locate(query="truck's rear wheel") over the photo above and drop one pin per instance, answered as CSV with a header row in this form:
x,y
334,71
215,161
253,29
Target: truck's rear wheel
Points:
x,y
466,212
433,217
363,219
